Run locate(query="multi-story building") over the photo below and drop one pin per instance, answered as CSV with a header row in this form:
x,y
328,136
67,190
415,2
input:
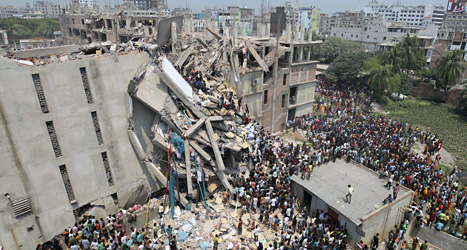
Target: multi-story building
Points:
x,y
453,33
374,30
83,6
9,11
326,22
310,18
83,3
48,9
147,4
410,15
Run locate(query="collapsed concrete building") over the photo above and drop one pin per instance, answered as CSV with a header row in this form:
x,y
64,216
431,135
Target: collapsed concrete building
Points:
x,y
93,127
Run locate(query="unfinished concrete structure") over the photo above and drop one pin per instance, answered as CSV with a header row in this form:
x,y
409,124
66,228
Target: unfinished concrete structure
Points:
x,y
366,215
274,77
106,117
115,27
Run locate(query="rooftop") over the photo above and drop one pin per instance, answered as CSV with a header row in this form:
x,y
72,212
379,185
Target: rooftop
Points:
x,y
329,182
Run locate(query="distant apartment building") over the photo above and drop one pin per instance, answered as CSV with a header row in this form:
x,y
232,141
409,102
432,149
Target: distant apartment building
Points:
x,y
453,33
410,15
326,22
46,8
376,34
147,4
310,18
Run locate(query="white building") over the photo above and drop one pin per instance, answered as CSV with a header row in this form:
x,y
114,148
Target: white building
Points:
x,y
86,3
310,18
48,9
375,31
410,15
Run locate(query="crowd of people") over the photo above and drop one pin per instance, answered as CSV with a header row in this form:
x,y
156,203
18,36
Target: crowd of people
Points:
x,y
340,127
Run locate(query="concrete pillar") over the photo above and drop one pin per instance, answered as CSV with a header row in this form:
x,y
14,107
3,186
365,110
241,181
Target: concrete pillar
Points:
x,y
300,53
128,23
235,33
310,34
259,28
302,33
215,26
296,33
288,33
226,32
308,56
243,29
268,29
173,35
263,30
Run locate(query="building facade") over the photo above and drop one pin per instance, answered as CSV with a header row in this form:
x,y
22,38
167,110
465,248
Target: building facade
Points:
x,y
147,4
310,18
410,15
81,157
366,215
373,30
48,9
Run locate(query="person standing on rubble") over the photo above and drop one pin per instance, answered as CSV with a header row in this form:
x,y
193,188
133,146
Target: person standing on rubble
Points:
x,y
216,242
240,226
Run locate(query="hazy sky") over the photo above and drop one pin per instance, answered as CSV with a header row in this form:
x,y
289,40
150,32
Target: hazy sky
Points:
x,y
326,6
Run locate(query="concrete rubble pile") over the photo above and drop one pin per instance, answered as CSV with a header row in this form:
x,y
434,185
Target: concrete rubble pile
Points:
x,y
205,137
197,228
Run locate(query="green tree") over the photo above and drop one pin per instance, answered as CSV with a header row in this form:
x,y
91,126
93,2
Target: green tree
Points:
x,y
449,67
382,78
393,57
18,28
333,47
462,106
412,55
346,68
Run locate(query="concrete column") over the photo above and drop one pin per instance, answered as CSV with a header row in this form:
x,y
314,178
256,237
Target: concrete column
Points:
x,y
173,35
308,56
268,29
235,33
288,33
302,33
128,23
226,32
300,53
243,29
263,30
310,35
215,26
259,28
296,33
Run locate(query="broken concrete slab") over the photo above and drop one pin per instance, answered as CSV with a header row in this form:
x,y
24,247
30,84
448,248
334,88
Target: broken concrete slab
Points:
x,y
162,179
224,180
256,56
184,56
215,34
215,147
216,118
188,167
195,127
136,145
200,151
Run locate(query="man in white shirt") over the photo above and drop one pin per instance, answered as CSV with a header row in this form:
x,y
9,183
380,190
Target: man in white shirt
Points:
x,y
349,194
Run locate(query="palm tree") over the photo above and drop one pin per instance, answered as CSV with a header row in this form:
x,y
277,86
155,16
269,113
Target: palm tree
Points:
x,y
393,57
382,79
449,67
411,52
